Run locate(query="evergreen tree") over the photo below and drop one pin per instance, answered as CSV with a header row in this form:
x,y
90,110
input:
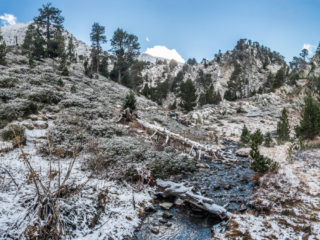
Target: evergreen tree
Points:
x,y
177,81
103,66
268,140
51,20
245,135
146,90
283,128
204,79
97,37
130,101
257,137
126,47
33,43
192,61
209,96
234,84
260,163
188,95
310,123
3,50
279,78
304,53
31,62
135,74
56,46
71,51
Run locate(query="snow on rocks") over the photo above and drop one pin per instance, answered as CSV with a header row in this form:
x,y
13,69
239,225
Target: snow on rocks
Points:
x,y
185,193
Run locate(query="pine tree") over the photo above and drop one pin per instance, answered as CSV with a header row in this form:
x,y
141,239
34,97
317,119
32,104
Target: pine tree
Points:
x,y
3,50
188,95
310,123
126,47
245,135
204,79
209,97
97,37
260,163
103,66
71,51
33,43
56,45
268,140
279,78
283,128
257,137
31,62
51,20
130,101
234,84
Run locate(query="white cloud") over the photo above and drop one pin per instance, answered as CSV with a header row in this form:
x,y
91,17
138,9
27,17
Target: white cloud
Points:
x,y
147,39
164,52
8,19
311,48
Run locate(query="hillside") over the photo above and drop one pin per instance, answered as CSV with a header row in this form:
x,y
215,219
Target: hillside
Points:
x,y
75,163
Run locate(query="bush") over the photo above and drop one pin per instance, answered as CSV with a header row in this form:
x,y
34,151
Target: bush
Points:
x,y
165,165
46,97
3,123
60,82
31,108
8,83
65,71
16,134
130,101
73,89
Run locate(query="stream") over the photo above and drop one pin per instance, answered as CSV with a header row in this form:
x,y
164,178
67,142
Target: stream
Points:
x,y
228,184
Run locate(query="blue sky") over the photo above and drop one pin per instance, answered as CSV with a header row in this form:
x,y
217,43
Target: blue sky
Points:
x,y
195,28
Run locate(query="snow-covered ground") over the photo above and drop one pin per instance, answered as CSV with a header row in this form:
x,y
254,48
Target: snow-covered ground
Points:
x,y
289,200
18,198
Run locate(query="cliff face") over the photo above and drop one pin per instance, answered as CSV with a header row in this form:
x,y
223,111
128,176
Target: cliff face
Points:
x,y
14,34
252,62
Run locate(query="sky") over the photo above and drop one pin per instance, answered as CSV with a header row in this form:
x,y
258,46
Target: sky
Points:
x,y
187,28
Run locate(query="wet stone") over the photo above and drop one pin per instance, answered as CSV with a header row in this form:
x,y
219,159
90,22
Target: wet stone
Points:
x,y
167,215
161,220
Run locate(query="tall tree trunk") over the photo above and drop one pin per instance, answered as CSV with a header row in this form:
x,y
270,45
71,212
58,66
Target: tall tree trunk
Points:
x,y
119,76
48,33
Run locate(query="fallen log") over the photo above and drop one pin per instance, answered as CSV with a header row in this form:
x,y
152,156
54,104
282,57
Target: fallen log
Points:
x,y
196,148
169,188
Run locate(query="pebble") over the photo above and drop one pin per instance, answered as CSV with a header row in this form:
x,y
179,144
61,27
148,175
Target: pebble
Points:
x,y
169,224
178,202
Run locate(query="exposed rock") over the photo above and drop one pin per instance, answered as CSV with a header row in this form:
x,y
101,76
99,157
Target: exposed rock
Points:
x,y
243,152
155,230
166,205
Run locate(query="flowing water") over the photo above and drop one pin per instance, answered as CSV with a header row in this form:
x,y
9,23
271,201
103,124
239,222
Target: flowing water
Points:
x,y
228,184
